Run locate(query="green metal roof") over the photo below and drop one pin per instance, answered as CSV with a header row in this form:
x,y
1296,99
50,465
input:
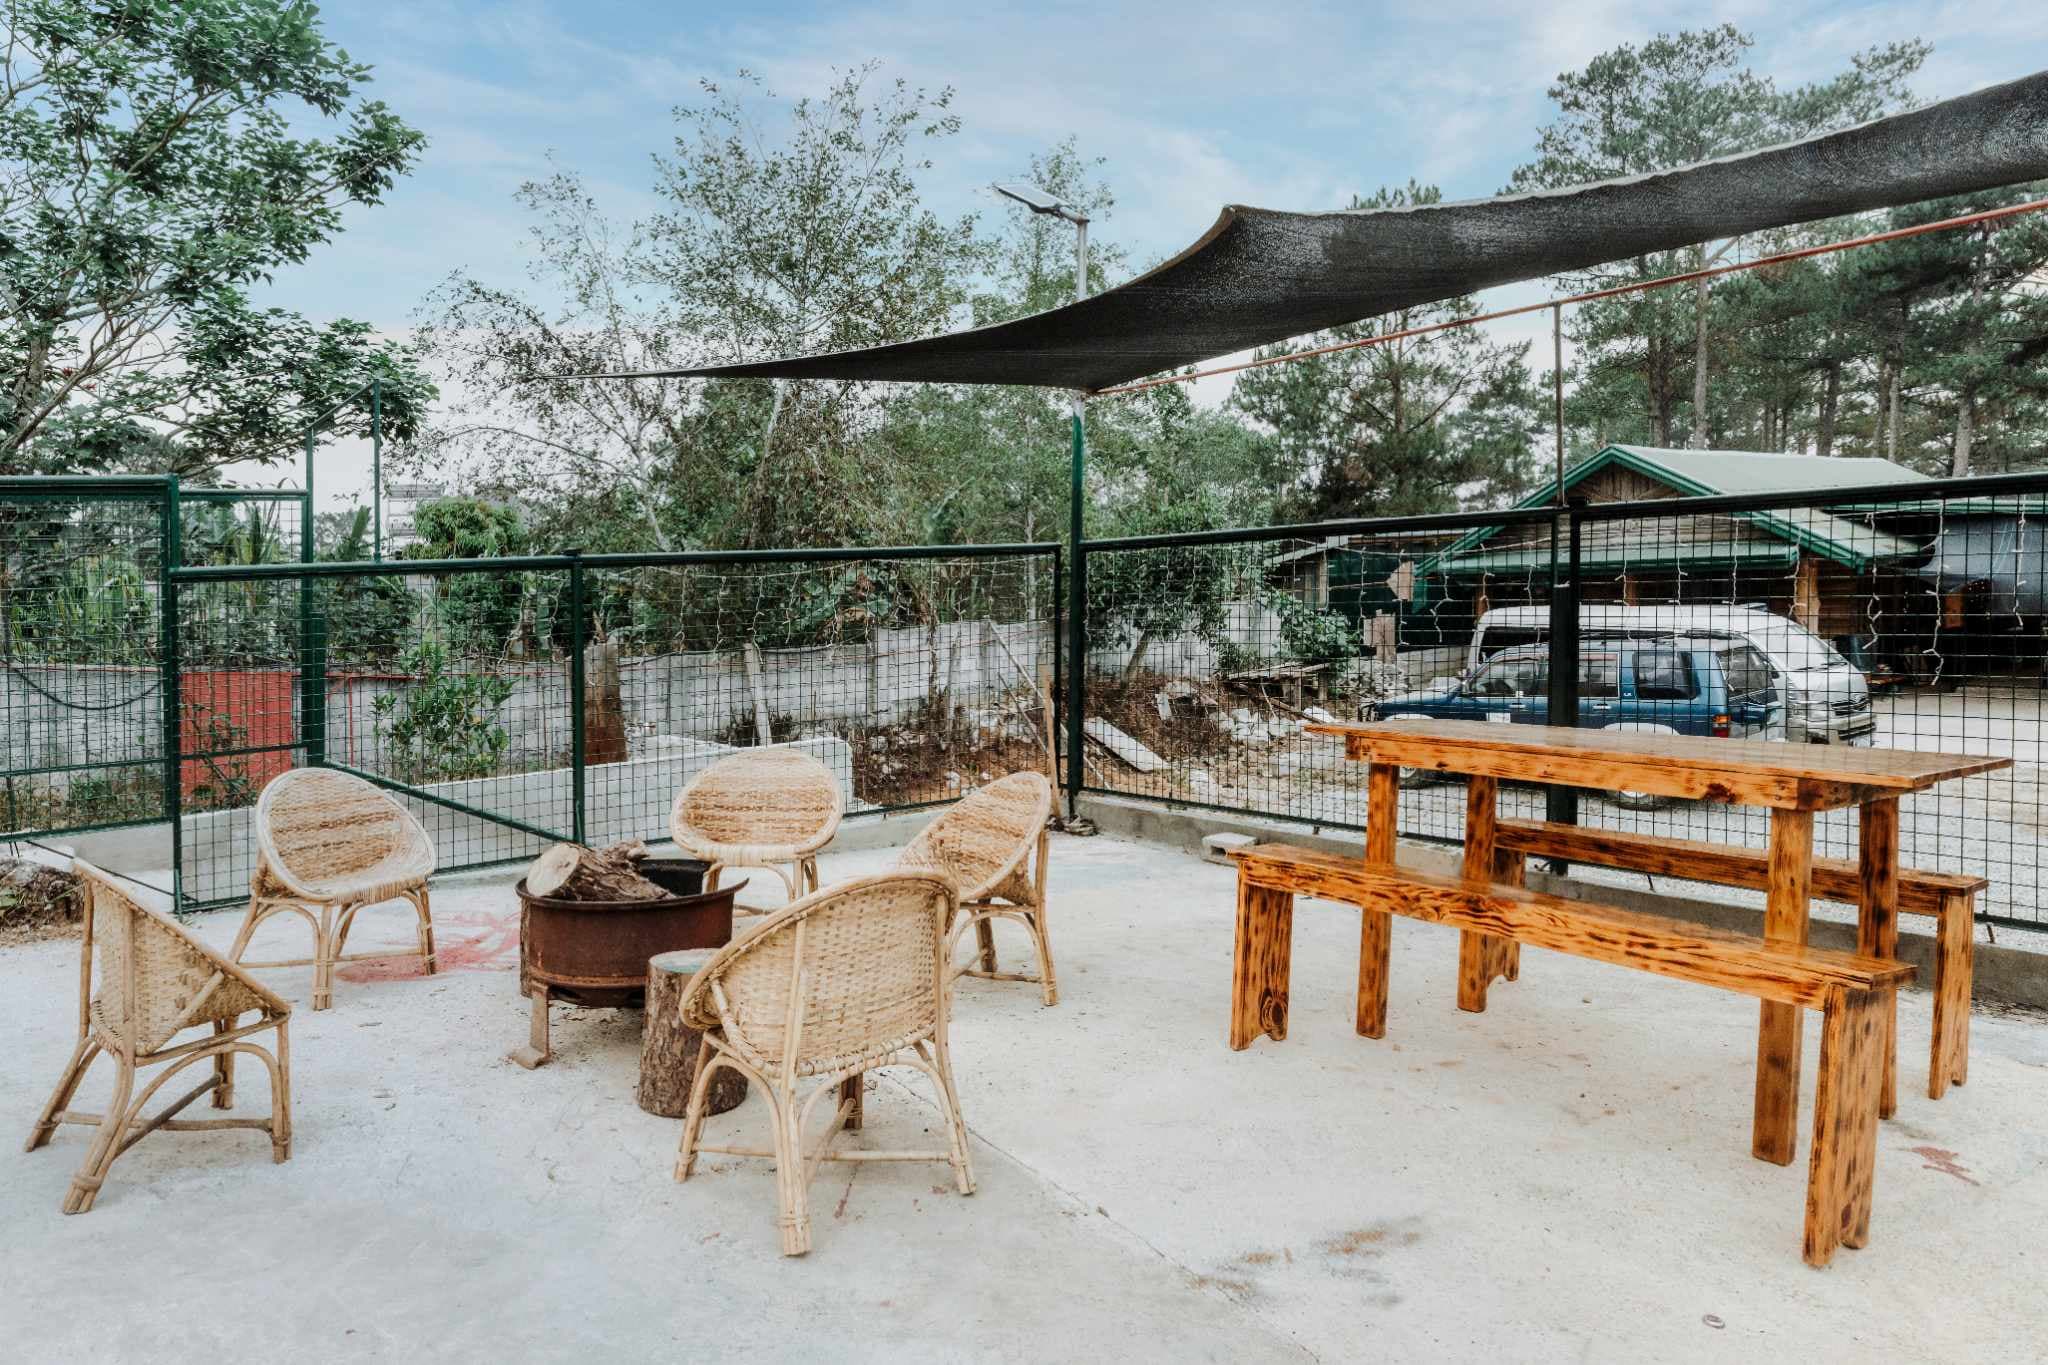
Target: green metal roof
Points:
x,y
1705,473
1512,559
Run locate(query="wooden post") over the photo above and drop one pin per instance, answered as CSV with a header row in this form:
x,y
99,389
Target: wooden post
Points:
x,y
1949,1059
1806,592
1877,918
604,715
1774,1130
764,731
669,1047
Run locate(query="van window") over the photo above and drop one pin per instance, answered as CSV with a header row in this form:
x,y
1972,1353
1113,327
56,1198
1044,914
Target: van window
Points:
x,y
1516,675
1507,637
1749,673
1664,674
1599,675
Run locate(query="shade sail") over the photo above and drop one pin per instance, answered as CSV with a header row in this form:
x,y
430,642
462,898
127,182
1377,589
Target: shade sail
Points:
x,y
1259,275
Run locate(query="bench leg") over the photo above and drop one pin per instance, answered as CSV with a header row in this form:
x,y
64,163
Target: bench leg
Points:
x,y
1949,1059
1259,966
1774,1133
1375,932
1481,958
1845,1103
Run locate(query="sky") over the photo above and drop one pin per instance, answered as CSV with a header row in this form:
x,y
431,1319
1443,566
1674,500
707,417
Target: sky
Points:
x,y
1196,104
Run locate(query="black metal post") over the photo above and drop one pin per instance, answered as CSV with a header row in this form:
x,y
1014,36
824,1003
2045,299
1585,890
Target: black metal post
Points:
x,y
312,635
576,736
1561,803
1077,619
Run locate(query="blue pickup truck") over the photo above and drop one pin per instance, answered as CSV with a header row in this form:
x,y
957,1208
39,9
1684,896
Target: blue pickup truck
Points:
x,y
1675,685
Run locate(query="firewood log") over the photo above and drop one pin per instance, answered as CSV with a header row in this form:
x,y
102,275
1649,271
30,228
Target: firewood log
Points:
x,y
572,872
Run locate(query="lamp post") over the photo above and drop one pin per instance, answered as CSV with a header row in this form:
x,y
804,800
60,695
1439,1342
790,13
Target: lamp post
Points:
x,y
1038,201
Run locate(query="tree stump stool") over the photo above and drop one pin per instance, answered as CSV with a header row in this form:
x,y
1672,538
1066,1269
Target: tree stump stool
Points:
x,y
668,1049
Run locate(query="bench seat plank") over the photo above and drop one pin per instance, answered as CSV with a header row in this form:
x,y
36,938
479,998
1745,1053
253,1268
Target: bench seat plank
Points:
x,y
1738,962
1834,879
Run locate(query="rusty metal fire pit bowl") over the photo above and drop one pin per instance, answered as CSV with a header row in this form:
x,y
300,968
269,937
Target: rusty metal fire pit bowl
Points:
x,y
595,952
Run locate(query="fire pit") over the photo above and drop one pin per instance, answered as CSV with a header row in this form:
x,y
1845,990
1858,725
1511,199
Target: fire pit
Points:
x,y
595,952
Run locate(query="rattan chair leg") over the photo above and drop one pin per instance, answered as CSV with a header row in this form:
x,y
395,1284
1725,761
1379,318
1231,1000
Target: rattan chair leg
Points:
x,y
790,1172
281,1097
956,1126
60,1099
1049,988
693,1112
106,1142
421,904
223,1069
985,939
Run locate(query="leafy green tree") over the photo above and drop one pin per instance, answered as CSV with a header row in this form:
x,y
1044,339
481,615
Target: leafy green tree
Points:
x,y
1676,99
153,174
811,241
1421,424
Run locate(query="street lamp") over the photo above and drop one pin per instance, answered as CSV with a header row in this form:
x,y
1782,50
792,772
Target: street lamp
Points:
x,y
1038,201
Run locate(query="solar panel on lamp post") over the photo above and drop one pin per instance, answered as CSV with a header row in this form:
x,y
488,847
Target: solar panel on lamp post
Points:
x,y
1038,201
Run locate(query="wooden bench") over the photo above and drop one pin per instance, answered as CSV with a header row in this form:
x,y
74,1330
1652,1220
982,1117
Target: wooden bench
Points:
x,y
1850,990
1948,897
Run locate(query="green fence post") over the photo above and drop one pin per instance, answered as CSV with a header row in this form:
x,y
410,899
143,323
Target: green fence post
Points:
x,y
312,636
171,556
377,469
576,737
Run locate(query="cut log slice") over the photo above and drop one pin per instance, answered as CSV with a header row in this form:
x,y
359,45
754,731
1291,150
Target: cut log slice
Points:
x,y
573,873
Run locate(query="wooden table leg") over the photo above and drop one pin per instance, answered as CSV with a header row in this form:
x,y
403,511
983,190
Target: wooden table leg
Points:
x,y
1481,957
1877,918
1774,1132
1259,966
1376,927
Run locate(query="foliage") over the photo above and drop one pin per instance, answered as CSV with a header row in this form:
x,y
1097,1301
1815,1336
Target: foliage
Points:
x,y
476,612
444,726
1310,634
158,167
225,782
1138,595
1647,359
1422,424
369,619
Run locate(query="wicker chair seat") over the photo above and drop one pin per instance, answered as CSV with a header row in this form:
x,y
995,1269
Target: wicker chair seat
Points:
x,y
771,808
993,844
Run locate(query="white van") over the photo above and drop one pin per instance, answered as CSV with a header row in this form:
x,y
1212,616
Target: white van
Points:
x,y
1826,698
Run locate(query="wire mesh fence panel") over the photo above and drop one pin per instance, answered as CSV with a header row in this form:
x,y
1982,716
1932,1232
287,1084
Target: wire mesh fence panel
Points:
x,y
1208,660
81,698
911,678
1909,623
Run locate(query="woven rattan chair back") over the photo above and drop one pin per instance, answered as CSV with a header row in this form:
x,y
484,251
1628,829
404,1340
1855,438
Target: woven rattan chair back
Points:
x,y
768,800
865,955
154,977
318,829
985,837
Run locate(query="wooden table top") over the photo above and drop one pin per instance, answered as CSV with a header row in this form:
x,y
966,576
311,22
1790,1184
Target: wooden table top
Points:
x,y
1750,771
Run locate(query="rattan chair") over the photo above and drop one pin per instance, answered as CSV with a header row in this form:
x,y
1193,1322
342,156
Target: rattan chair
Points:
x,y
331,843
839,983
772,808
993,843
155,982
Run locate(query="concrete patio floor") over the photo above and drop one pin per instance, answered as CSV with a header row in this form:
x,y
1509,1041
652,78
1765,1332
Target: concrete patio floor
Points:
x,y
1564,1177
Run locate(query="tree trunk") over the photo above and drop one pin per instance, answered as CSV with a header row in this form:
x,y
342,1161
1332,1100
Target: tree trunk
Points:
x,y
669,1047
1830,405
1699,362
1966,434
604,720
571,872
1137,660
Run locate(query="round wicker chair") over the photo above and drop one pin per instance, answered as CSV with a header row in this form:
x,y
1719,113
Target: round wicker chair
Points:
x,y
831,987
155,982
993,843
772,808
329,842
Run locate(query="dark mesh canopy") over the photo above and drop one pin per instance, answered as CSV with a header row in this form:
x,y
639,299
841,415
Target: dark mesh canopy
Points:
x,y
1259,276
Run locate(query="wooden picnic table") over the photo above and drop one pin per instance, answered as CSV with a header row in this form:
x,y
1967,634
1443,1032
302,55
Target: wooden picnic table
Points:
x,y
1792,781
